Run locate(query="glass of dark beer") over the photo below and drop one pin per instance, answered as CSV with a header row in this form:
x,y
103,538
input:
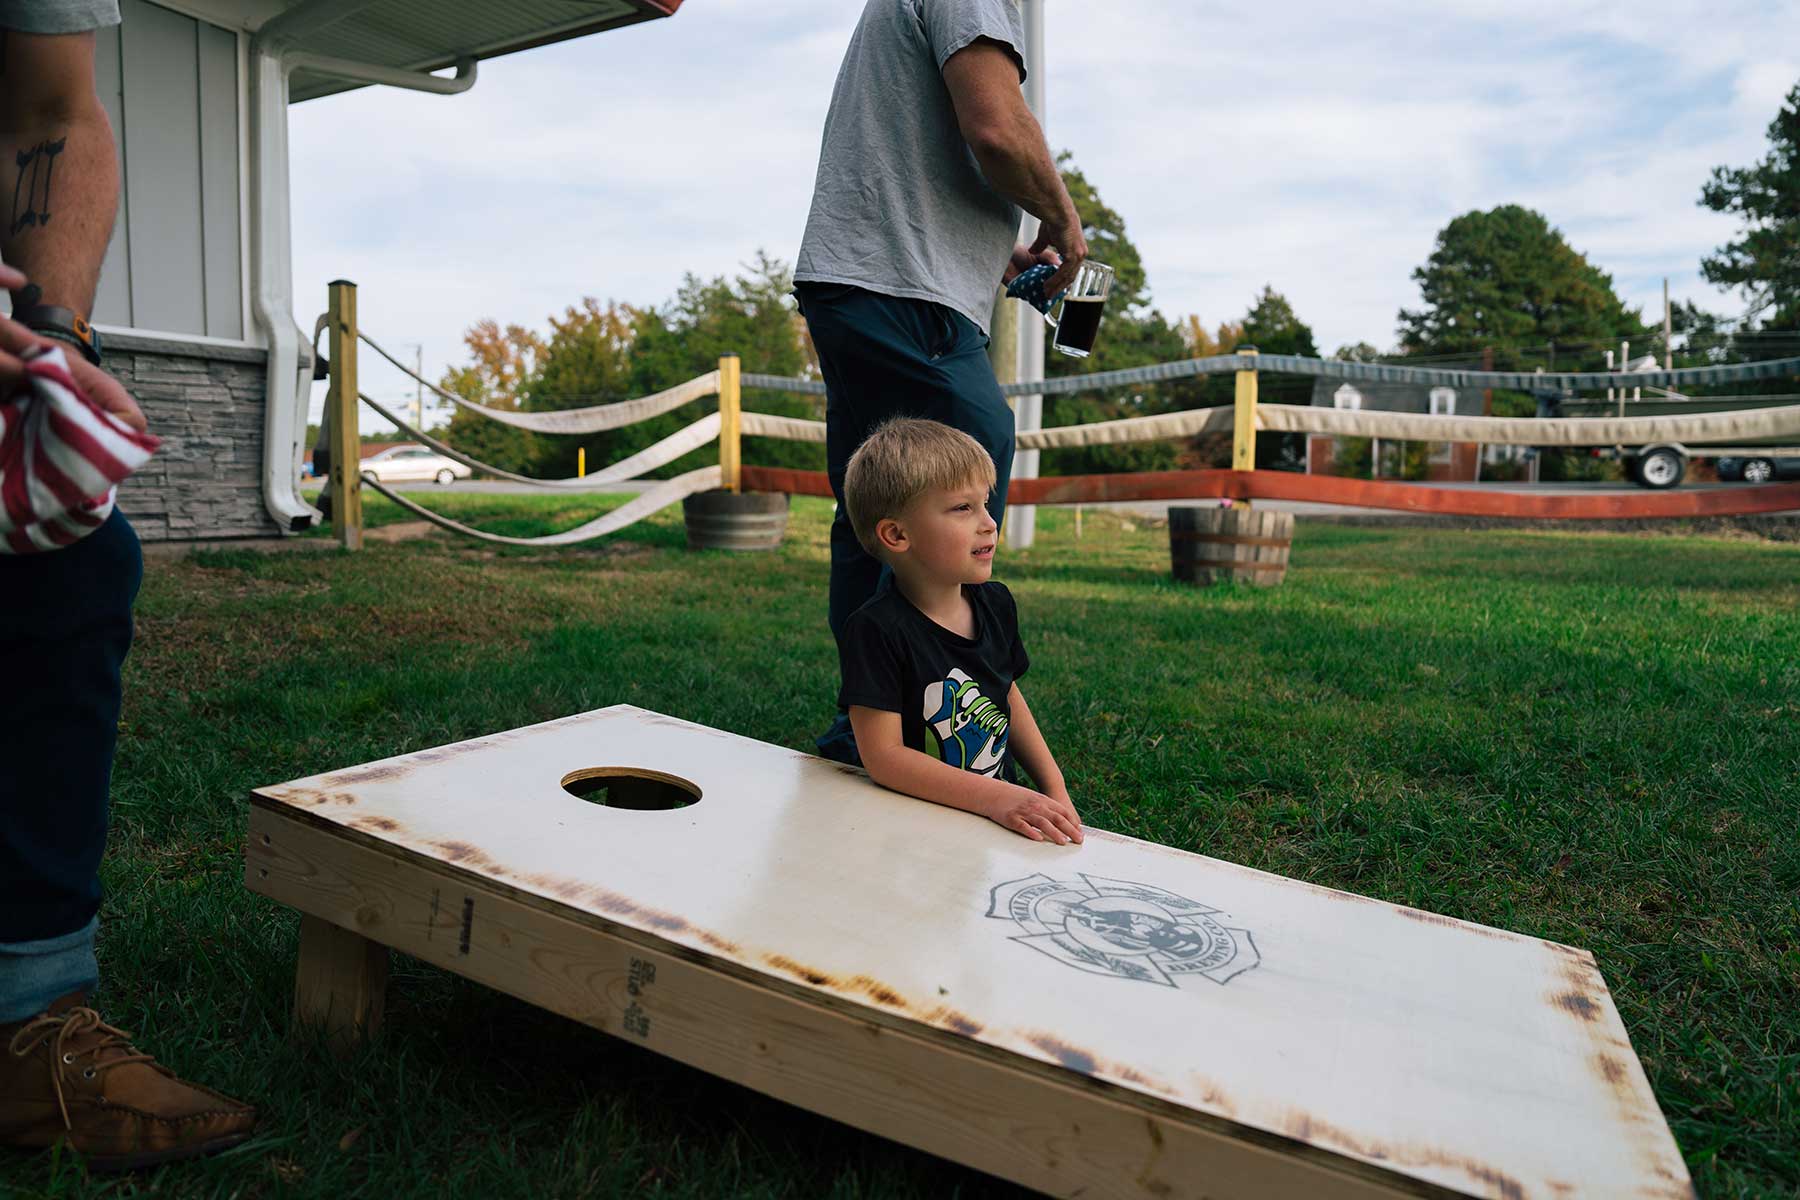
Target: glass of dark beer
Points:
x,y
1077,319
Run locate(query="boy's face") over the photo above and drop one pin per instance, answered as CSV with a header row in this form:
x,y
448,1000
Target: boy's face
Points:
x,y
949,536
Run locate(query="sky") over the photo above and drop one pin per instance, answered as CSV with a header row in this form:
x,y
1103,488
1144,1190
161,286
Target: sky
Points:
x,y
1315,147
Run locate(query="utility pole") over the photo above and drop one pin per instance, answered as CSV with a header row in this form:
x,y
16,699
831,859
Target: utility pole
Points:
x,y
1028,410
1668,338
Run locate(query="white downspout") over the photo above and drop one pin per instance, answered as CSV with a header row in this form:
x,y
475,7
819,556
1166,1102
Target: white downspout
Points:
x,y
272,57
272,281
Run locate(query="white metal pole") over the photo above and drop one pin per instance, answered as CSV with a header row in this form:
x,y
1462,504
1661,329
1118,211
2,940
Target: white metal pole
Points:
x,y
1028,410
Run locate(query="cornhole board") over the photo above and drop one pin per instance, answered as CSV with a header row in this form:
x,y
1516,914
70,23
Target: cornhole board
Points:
x,y
1116,1019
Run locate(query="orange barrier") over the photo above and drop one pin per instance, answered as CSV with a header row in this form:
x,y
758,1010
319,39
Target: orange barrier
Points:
x,y
1359,493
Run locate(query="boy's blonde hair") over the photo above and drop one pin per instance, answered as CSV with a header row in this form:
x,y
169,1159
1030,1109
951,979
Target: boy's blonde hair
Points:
x,y
902,460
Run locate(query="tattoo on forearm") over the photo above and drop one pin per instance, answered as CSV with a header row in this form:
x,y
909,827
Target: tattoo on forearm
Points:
x,y
33,186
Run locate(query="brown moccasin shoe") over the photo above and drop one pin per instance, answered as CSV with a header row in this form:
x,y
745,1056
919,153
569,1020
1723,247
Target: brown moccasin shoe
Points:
x,y
66,1075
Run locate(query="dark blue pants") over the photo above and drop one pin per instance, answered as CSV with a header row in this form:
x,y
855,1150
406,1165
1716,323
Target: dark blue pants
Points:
x,y
884,356
65,627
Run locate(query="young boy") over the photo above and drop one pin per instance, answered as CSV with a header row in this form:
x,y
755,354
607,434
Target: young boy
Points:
x,y
931,666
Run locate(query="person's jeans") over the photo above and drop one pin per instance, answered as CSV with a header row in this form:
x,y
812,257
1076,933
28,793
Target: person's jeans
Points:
x,y
886,356
883,357
65,628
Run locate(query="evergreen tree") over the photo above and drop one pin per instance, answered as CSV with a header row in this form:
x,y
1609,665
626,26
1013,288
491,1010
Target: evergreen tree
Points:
x,y
1764,260
1273,328
1506,279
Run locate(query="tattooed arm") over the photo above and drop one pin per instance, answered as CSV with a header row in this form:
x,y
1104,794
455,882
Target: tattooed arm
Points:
x,y
59,175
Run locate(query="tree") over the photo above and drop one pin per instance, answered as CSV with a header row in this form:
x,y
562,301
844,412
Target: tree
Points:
x,y
505,360
1764,260
1131,334
752,316
1506,279
1358,352
1201,344
1273,328
586,362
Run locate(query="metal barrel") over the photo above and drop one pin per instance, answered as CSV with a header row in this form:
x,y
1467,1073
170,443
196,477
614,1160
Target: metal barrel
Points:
x,y
722,520
1210,545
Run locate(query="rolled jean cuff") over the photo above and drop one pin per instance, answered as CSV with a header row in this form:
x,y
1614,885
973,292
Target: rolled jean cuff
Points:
x,y
32,974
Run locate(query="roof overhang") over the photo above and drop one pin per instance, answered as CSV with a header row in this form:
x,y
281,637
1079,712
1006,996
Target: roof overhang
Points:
x,y
426,35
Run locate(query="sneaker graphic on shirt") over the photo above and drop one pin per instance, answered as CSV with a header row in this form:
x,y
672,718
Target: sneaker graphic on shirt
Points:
x,y
963,727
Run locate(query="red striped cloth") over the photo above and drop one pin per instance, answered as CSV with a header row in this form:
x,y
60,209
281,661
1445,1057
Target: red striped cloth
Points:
x,y
61,458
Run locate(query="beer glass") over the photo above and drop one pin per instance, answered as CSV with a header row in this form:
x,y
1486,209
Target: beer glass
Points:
x,y
1076,319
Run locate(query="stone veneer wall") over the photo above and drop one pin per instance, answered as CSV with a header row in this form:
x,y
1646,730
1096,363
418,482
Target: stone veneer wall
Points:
x,y
206,402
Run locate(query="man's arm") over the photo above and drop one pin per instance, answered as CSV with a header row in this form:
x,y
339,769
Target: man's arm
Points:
x,y
1007,141
56,146
891,764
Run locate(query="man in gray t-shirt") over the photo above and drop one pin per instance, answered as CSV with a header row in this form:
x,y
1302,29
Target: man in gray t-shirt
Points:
x,y
928,155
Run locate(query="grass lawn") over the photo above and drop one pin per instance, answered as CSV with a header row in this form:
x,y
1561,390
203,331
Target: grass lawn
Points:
x,y
1588,738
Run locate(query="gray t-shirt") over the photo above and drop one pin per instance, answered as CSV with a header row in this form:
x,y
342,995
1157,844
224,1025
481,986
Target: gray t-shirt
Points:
x,y
57,16
900,205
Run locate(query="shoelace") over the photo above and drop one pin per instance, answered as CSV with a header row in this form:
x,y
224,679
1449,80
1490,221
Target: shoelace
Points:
x,y
69,1024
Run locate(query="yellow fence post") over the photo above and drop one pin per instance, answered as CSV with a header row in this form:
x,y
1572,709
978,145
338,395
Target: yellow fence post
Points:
x,y
1243,429
581,462
730,408
341,402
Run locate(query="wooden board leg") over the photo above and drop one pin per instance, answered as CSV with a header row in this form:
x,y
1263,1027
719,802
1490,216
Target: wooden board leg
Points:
x,y
341,983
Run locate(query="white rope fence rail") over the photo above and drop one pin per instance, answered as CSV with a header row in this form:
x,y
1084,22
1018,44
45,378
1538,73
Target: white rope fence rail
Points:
x,y
661,454
636,509
1344,422
596,419
1242,420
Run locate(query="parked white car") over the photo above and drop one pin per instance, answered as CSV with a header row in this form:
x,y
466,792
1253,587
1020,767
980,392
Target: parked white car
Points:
x,y
411,464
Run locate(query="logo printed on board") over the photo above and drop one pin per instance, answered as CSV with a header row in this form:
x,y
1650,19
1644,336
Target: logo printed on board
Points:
x,y
1131,930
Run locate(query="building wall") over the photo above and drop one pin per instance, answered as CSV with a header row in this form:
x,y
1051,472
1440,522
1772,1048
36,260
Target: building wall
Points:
x,y
173,88
172,305
206,403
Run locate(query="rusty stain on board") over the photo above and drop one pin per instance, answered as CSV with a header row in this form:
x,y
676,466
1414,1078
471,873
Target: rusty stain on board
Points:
x,y
1578,1005
1415,914
1069,1056
1303,1127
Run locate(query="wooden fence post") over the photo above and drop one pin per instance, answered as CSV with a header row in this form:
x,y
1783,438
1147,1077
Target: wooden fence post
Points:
x,y
341,404
1243,430
730,406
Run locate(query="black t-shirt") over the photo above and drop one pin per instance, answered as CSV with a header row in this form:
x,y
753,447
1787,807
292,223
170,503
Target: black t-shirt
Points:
x,y
950,691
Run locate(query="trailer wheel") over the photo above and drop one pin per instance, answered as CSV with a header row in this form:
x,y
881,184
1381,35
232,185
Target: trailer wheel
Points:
x,y
1661,468
1758,470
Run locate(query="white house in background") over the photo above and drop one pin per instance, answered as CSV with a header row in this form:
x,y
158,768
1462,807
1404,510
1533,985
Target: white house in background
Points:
x,y
194,307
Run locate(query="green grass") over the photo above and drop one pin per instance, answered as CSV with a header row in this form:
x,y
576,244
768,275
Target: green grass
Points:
x,y
1588,738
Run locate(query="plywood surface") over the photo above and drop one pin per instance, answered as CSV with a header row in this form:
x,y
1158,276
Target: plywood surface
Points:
x,y
1412,1044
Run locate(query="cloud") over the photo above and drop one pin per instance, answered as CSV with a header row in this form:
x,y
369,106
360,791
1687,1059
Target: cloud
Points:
x,y
1316,147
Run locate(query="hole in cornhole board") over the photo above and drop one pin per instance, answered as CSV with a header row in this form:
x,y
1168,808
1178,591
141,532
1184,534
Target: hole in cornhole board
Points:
x,y
631,788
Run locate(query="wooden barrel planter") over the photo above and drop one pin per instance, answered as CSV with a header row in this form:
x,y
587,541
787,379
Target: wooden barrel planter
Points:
x,y
1210,545
722,520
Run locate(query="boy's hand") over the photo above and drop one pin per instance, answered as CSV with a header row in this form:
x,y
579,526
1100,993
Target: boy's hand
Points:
x,y
1037,816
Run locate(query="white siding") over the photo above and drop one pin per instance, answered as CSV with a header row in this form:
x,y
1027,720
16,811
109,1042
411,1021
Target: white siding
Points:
x,y
175,265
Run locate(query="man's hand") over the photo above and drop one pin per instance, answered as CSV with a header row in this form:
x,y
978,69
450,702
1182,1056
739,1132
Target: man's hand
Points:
x,y
101,388
1037,816
1023,260
1064,234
